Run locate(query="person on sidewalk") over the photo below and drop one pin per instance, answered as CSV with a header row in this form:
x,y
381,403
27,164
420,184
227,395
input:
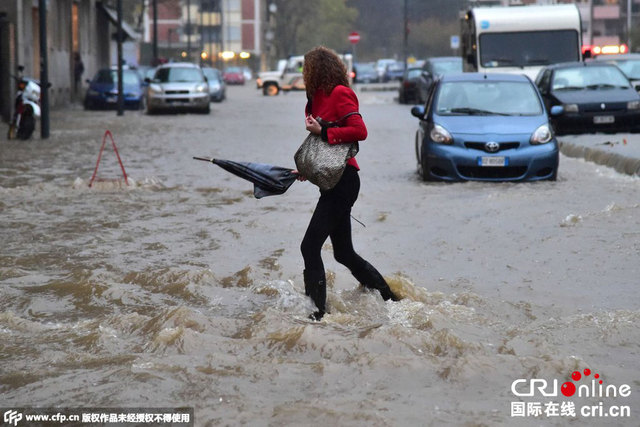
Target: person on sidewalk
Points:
x,y
78,70
330,97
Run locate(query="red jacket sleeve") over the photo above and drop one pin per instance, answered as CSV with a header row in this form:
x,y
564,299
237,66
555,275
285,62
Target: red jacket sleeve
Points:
x,y
353,128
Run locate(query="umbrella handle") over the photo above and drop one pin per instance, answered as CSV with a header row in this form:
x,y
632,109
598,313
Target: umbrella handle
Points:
x,y
204,159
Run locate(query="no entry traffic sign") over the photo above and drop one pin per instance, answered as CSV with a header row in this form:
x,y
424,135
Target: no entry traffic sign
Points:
x,y
354,37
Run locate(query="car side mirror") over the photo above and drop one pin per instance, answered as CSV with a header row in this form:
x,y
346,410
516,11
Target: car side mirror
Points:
x,y
147,80
557,110
637,87
88,81
418,111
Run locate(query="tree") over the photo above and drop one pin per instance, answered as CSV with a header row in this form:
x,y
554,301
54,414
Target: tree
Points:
x,y
381,25
301,25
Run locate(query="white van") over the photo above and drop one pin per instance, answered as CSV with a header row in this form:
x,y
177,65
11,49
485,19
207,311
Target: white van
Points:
x,y
520,39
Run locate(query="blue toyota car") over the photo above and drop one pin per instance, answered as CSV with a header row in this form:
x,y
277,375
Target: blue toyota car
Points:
x,y
485,127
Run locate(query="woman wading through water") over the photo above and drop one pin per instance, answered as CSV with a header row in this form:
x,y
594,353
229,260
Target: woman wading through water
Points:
x,y
330,97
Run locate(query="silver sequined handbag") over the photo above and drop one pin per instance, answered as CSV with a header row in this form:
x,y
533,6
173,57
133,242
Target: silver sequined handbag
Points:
x,y
323,163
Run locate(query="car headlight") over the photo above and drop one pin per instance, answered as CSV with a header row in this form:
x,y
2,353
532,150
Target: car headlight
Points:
x,y
202,88
570,108
214,87
542,135
155,89
633,105
440,135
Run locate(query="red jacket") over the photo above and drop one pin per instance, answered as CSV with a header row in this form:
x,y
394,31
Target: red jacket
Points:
x,y
341,101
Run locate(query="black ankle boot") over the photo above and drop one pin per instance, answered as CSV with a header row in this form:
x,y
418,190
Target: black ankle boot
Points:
x,y
315,287
371,278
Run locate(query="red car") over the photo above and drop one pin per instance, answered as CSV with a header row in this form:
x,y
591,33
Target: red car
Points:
x,y
234,76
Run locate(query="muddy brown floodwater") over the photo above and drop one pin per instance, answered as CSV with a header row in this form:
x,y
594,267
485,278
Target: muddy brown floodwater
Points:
x,y
181,289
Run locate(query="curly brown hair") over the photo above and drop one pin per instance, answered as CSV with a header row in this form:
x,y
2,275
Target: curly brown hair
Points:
x,y
323,69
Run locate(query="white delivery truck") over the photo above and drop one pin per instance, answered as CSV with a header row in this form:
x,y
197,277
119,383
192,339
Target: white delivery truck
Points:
x,y
520,39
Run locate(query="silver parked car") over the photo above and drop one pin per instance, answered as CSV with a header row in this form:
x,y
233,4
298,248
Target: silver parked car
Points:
x,y
178,86
217,86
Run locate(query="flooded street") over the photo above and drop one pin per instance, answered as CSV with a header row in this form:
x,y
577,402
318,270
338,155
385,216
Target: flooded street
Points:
x,y
182,289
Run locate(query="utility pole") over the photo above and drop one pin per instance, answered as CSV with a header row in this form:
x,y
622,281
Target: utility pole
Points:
x,y
405,42
44,70
119,44
189,29
155,33
629,25
201,25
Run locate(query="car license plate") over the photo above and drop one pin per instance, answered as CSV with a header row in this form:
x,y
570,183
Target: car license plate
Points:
x,y
112,99
495,161
599,120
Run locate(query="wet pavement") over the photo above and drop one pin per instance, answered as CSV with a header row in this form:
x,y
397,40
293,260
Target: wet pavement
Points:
x,y
181,289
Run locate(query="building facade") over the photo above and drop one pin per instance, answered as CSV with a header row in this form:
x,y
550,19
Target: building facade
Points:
x,y
81,26
208,31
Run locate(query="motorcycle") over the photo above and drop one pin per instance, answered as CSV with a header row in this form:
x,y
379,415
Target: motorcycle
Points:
x,y
26,107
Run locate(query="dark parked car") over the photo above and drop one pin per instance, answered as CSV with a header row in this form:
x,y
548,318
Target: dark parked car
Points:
x,y
393,72
434,67
365,73
103,90
408,90
489,127
146,71
589,97
234,76
629,64
217,87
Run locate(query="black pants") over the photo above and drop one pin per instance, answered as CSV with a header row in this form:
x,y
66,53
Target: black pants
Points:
x,y
332,218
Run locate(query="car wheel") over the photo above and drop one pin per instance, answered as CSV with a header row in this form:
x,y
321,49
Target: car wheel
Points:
x,y
270,89
424,171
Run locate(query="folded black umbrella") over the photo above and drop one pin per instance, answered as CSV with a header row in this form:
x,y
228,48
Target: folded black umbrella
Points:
x,y
268,180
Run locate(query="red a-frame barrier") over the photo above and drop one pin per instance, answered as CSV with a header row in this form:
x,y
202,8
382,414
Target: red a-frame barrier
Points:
x,y
113,143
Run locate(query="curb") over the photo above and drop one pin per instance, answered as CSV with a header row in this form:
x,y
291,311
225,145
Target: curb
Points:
x,y
376,87
622,164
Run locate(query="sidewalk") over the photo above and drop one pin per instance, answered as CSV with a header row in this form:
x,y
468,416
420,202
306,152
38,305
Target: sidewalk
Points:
x,y
618,151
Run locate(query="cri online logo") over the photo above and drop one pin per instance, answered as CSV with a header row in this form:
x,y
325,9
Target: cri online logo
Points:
x,y
524,387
